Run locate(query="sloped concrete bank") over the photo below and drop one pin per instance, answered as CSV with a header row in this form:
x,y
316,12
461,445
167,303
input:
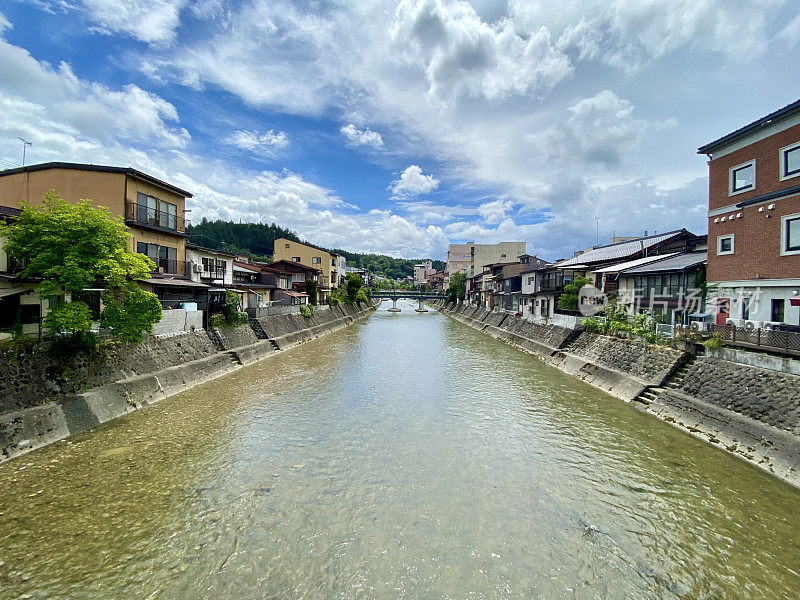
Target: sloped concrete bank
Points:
x,y
38,407
751,412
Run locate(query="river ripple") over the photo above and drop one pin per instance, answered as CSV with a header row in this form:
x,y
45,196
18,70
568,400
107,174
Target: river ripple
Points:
x,y
406,457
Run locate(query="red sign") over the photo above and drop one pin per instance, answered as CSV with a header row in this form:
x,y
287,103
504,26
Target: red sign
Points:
x,y
794,301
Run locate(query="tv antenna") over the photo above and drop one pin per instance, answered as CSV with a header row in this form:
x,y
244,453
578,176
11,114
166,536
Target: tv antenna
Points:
x,y
25,145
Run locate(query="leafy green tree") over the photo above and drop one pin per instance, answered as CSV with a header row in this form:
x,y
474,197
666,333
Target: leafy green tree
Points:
x,y
74,247
311,290
354,284
569,297
457,290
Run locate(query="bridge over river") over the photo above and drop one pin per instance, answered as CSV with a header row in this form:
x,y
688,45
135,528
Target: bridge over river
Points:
x,y
420,297
407,456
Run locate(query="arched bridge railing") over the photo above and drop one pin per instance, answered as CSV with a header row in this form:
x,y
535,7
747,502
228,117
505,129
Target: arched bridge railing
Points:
x,y
409,294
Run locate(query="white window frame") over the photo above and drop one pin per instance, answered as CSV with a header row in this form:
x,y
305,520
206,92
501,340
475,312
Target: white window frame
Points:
x,y
781,162
784,237
731,171
720,252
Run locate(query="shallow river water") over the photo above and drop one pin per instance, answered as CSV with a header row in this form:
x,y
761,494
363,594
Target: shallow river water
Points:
x,y
406,457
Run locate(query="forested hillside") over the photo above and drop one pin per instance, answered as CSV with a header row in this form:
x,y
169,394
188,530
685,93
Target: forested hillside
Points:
x,y
258,240
254,239
380,264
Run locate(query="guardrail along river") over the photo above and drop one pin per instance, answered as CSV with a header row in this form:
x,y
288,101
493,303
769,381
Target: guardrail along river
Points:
x,y
406,457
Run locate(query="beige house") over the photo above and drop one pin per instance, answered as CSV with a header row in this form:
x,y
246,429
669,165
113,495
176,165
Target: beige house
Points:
x,y
153,209
312,256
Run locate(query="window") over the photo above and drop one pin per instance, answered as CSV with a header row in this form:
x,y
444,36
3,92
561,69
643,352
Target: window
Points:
x,y
790,161
165,257
745,308
316,260
296,259
777,312
743,177
286,246
156,212
790,234
725,245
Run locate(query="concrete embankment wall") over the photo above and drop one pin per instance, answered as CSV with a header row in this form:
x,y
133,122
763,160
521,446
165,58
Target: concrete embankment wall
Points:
x,y
748,405
44,398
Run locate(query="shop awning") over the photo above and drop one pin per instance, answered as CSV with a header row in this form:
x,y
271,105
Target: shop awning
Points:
x,y
296,294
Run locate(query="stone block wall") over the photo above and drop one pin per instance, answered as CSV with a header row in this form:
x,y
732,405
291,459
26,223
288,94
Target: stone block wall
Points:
x,y
767,396
649,363
234,337
39,376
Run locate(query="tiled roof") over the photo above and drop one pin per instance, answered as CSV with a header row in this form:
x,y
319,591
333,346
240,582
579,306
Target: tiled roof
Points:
x,y
674,263
621,250
616,268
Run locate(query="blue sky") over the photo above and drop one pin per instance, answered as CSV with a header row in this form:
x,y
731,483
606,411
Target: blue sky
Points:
x,y
398,127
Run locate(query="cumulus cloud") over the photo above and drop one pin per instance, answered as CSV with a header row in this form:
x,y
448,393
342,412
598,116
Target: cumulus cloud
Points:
x,y
361,137
629,35
261,143
412,182
54,108
461,53
151,21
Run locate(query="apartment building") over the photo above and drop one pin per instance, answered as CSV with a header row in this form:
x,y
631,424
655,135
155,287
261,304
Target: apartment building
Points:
x,y
488,254
754,221
421,273
313,256
459,259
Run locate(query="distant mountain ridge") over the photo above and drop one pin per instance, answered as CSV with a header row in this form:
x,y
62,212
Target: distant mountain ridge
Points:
x,y
258,240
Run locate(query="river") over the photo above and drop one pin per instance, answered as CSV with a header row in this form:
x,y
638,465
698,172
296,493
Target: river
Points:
x,y
408,456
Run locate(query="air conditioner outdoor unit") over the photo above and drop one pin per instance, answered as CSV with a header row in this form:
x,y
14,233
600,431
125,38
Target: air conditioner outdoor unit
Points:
x,y
699,326
751,325
197,268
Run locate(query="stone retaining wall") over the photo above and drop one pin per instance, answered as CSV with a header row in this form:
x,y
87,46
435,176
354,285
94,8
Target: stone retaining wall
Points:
x,y
647,362
44,399
760,394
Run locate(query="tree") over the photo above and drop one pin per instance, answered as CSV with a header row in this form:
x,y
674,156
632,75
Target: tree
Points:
x,y
569,297
457,290
311,290
74,247
354,284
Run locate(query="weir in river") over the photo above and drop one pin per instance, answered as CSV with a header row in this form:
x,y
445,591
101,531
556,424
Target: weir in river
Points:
x,y
408,456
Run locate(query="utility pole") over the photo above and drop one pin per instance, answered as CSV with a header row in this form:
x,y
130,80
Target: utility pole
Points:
x,y
597,230
25,145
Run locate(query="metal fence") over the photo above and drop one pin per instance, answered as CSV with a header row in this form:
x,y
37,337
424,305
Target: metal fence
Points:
x,y
787,342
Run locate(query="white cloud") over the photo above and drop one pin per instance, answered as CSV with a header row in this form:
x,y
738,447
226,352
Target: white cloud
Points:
x,y
262,143
151,21
413,183
361,137
462,54
52,107
495,211
628,35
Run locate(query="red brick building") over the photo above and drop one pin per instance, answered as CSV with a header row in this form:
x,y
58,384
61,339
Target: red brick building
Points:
x,y
754,221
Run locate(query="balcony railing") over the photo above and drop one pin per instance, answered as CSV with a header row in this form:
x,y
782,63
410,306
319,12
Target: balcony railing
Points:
x,y
172,267
215,273
146,215
774,340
